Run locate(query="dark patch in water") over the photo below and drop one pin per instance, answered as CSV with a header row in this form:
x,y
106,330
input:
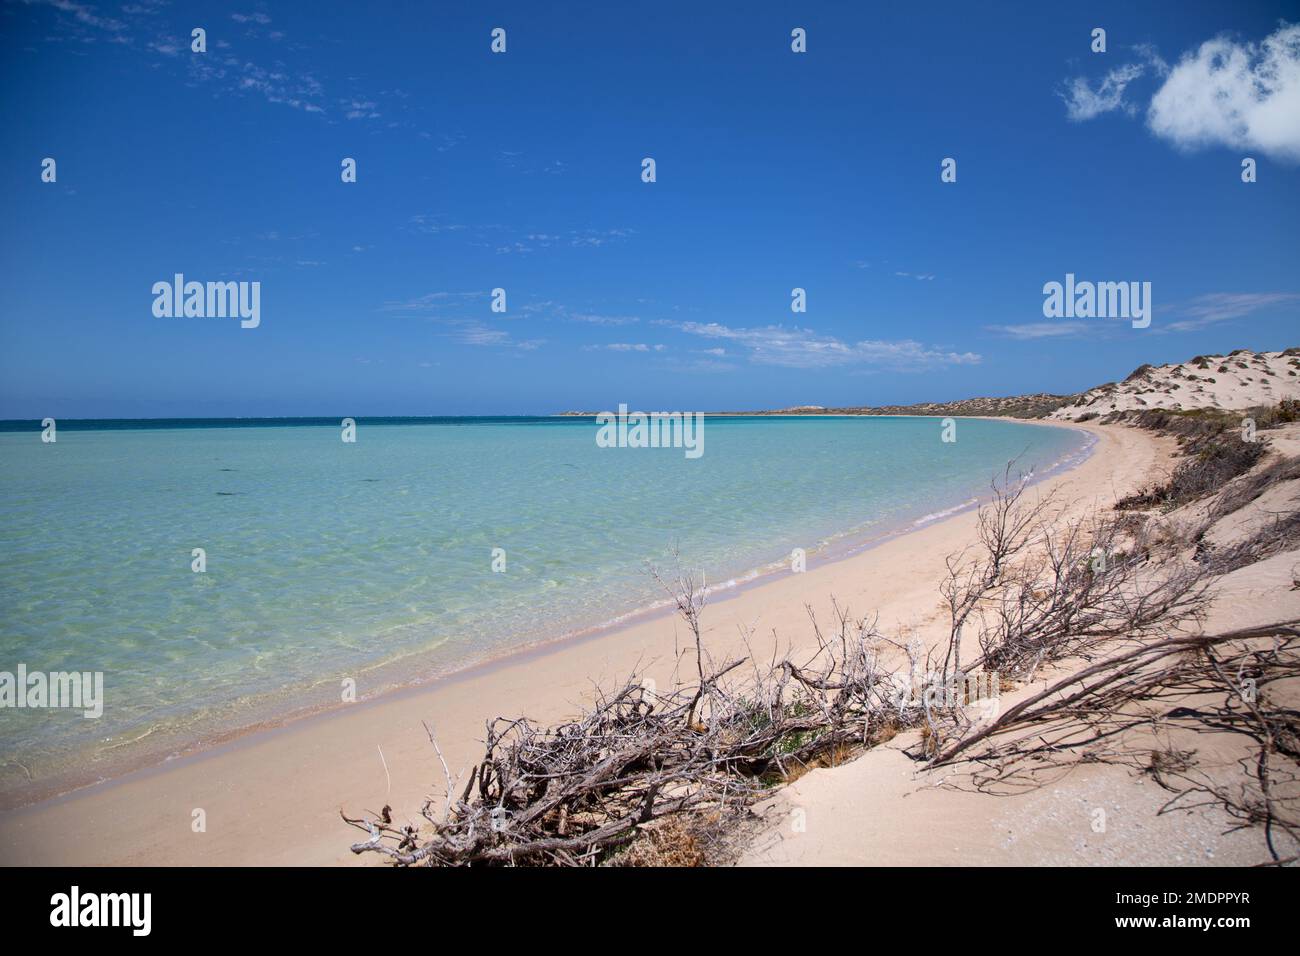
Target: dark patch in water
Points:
x,y
228,494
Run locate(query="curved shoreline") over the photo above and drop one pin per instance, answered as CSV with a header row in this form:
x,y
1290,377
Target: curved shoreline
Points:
x,y
573,663
196,733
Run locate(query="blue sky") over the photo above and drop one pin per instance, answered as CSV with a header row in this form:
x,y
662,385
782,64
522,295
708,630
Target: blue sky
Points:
x,y
522,171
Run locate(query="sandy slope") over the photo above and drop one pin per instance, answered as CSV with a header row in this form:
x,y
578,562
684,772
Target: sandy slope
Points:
x,y
1243,379
886,809
880,810
274,797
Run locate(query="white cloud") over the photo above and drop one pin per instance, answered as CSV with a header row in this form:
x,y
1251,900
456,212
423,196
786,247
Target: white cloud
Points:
x,y
597,237
625,347
1241,95
1082,102
83,13
359,109
1225,93
301,92
593,319
469,332
1042,330
432,301
803,348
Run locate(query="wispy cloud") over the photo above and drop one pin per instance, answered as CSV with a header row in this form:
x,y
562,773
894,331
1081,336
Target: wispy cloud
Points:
x,y
143,7
596,319
82,13
803,348
433,302
1216,307
238,76
1197,313
355,109
549,309
472,332
899,273
624,347
1044,330
573,238
1082,102
139,26
255,25
433,223
598,237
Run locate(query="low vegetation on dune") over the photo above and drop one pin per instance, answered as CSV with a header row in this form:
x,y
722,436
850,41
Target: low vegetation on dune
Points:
x,y
1015,406
1214,453
1217,446
1204,383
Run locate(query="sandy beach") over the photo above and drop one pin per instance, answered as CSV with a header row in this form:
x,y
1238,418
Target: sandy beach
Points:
x,y
273,797
591,440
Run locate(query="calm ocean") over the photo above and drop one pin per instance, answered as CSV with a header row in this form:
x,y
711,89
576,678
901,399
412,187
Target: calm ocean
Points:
x,y
373,560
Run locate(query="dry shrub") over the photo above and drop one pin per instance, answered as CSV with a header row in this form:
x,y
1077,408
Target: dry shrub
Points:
x,y
671,844
1213,448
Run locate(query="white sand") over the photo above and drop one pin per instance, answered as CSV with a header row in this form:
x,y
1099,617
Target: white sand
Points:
x,y
1242,380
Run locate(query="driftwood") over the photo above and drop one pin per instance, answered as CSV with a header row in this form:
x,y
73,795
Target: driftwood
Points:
x,y
570,794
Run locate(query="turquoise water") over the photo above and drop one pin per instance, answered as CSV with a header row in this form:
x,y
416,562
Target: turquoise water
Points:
x,y
373,560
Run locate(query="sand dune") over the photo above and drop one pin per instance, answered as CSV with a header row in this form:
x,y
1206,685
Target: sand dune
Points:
x,y
1239,380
